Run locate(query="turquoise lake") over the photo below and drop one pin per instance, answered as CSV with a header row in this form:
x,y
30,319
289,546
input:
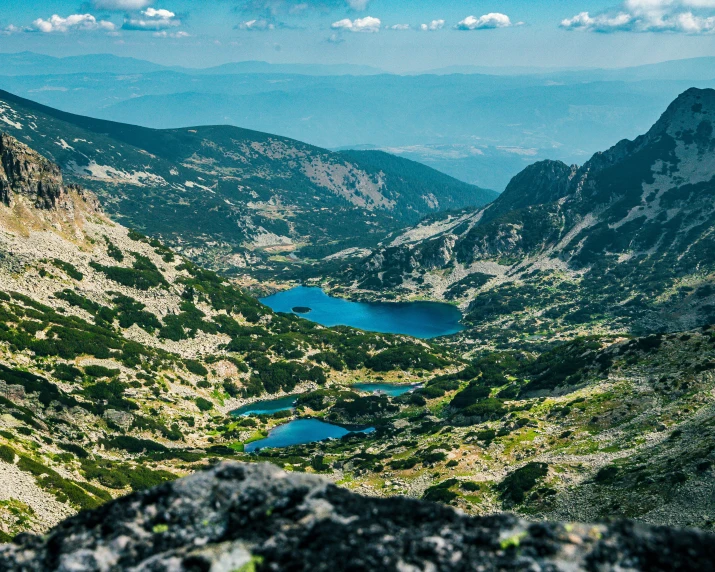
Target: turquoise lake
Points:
x,y
418,319
300,432
266,407
391,389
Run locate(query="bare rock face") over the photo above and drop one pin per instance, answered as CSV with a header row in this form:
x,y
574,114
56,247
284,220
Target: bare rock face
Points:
x,y
257,517
26,173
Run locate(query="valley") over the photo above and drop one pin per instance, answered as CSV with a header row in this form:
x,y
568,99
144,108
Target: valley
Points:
x,y
578,386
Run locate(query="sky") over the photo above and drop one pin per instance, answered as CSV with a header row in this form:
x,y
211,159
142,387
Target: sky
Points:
x,y
394,35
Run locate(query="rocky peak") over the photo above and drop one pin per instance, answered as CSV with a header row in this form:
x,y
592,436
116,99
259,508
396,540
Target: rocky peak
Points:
x,y
541,183
257,517
689,118
27,174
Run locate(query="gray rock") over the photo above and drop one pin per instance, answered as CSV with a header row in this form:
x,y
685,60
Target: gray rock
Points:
x,y
257,517
122,419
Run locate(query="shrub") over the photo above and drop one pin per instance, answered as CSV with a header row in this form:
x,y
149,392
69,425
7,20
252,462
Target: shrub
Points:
x,y
66,372
195,367
68,269
606,474
441,492
487,409
470,486
100,371
132,444
469,396
7,454
403,464
143,274
204,404
113,251
517,483
76,449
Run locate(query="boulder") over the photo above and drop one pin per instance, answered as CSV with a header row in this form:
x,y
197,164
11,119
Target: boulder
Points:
x,y
257,517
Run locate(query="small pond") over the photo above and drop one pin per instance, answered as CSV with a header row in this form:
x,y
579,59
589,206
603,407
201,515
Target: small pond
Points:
x,y
266,406
299,432
391,389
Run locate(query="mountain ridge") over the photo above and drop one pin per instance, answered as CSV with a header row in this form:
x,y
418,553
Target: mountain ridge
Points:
x,y
247,192
640,211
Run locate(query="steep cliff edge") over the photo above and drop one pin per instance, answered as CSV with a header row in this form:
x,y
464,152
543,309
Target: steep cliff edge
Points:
x,y
256,517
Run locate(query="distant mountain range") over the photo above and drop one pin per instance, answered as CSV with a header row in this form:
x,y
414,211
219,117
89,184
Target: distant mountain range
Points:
x,y
231,196
30,63
560,114
625,241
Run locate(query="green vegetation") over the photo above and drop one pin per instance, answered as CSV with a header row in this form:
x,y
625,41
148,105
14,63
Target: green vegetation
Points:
x,y
143,275
519,482
68,269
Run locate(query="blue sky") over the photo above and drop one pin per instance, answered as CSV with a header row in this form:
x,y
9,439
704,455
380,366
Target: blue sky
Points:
x,y
396,35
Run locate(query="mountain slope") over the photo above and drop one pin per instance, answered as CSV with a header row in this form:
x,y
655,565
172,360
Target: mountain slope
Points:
x,y
119,360
120,363
625,241
227,195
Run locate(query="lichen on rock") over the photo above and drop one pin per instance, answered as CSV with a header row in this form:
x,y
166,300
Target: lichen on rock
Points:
x,y
240,517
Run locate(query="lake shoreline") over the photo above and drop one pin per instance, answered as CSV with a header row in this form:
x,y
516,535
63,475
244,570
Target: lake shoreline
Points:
x,y
418,319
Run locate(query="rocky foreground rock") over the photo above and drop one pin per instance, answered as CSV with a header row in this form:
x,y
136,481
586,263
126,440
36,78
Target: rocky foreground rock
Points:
x,y
238,517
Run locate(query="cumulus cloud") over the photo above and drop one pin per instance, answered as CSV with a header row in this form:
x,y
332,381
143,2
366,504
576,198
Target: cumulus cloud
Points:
x,y
12,29
486,22
75,22
276,7
152,20
432,26
400,27
680,16
121,5
176,35
367,24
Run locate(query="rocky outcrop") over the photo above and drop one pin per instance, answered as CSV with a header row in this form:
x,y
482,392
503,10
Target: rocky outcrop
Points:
x,y
24,173
541,183
256,517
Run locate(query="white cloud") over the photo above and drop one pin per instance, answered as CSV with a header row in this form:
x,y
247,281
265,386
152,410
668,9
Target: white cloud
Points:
x,y
120,5
600,23
367,24
176,35
334,39
680,16
358,5
432,26
152,20
257,25
161,14
400,27
79,22
486,22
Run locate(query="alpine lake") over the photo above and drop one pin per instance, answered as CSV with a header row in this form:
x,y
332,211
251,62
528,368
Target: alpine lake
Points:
x,y
422,320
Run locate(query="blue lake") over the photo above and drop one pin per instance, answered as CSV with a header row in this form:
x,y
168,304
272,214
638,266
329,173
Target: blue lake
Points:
x,y
391,389
300,432
266,407
419,319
